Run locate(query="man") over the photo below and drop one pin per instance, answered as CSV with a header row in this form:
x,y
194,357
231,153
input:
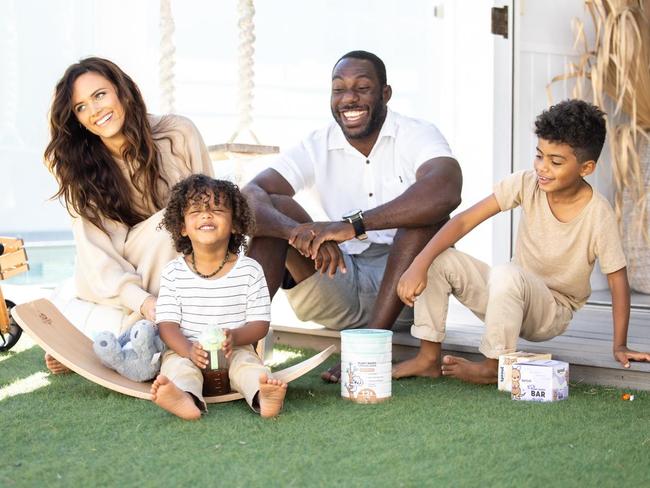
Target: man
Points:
x,y
387,182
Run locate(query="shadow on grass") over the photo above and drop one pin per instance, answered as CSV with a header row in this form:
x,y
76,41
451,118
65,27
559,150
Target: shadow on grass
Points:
x,y
16,365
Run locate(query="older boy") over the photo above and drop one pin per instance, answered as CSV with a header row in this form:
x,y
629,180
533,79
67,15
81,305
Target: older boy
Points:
x,y
565,226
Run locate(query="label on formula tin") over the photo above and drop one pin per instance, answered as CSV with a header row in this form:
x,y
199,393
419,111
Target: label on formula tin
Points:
x,y
365,381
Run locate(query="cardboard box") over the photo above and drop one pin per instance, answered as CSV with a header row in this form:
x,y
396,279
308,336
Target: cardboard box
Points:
x,y
540,381
507,360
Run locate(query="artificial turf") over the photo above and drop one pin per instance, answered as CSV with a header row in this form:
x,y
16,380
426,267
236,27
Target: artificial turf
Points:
x,y
71,432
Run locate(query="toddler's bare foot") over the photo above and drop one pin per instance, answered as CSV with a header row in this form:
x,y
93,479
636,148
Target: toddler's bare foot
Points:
x,y
271,396
55,366
420,365
482,373
167,395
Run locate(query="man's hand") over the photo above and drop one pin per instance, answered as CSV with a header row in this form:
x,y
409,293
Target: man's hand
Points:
x,y
229,343
148,308
624,355
412,283
198,355
329,258
307,238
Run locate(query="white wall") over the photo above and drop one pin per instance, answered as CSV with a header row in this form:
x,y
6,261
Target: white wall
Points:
x,y
436,73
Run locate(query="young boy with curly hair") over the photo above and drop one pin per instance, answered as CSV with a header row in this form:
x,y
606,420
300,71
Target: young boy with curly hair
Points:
x,y
212,283
565,226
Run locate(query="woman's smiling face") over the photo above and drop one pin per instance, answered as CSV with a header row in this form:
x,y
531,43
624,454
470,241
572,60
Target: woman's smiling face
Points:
x,y
97,106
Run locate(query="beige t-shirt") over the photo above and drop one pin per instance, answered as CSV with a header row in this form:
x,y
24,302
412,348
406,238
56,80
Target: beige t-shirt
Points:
x,y
561,253
103,274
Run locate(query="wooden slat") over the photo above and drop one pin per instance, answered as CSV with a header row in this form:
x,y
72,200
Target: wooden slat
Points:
x,y
12,259
13,271
223,151
11,243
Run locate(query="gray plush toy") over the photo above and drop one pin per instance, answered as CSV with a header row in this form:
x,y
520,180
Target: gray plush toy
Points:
x,y
140,361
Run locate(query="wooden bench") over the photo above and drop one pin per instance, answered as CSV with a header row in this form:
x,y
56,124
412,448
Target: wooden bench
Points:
x,y
586,345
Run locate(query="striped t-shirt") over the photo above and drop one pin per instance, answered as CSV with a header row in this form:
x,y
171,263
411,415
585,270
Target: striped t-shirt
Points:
x,y
230,301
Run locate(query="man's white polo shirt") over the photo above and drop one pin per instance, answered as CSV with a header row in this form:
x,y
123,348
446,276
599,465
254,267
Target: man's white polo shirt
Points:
x,y
345,180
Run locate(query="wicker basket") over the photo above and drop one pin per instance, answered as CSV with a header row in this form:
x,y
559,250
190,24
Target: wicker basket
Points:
x,y
636,249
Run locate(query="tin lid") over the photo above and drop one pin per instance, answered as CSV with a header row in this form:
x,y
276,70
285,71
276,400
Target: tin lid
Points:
x,y
367,335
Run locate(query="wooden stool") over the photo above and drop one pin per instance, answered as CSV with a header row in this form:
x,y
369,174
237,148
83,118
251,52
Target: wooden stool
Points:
x,y
13,261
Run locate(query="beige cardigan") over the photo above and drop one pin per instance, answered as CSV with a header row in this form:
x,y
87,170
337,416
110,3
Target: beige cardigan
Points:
x,y
121,267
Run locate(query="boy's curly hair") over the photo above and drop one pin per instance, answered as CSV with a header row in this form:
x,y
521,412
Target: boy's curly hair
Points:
x,y
577,123
199,189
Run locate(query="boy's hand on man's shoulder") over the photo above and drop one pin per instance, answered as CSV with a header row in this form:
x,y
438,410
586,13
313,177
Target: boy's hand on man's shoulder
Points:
x,y
624,355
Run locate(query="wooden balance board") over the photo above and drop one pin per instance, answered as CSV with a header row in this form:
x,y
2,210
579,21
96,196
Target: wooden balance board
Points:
x,y
56,335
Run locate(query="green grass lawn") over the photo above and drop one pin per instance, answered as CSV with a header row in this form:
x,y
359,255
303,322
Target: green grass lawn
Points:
x,y
70,432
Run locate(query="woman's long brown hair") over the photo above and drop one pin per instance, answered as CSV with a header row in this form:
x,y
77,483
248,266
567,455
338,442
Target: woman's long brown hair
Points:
x,y
90,182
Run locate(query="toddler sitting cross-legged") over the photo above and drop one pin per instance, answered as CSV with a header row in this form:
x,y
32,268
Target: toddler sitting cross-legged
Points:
x,y
212,284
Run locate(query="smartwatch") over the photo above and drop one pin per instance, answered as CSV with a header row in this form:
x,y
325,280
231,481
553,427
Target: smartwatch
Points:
x,y
355,217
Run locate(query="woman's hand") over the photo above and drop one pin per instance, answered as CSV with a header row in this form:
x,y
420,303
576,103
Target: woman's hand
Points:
x,y
198,355
148,308
411,284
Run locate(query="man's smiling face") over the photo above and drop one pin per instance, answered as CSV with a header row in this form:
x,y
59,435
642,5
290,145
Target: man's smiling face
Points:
x,y
358,99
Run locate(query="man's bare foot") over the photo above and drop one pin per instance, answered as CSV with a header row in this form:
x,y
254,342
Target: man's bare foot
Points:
x,y
420,365
271,396
482,373
332,375
167,395
55,366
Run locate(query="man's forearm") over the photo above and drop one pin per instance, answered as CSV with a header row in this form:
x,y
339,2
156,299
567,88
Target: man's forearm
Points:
x,y
428,201
269,221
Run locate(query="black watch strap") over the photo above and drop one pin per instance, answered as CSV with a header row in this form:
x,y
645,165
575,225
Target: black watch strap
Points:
x,y
359,228
356,220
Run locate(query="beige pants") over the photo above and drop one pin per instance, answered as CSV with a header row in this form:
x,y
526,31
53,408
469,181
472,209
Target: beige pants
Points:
x,y
511,301
244,373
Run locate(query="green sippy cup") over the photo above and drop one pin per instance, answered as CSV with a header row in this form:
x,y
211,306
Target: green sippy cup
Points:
x,y
215,375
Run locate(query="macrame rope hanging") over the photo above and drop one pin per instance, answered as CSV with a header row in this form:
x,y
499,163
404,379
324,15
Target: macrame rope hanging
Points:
x,y
167,58
245,62
246,72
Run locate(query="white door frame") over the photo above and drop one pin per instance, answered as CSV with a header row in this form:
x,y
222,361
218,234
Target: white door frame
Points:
x,y
504,95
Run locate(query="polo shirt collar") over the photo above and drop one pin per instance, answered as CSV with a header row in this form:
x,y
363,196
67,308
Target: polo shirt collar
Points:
x,y
336,139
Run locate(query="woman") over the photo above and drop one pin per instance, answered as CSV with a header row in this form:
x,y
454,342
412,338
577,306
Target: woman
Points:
x,y
115,165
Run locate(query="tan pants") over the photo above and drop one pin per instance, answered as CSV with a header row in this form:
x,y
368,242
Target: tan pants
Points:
x,y
511,301
244,373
